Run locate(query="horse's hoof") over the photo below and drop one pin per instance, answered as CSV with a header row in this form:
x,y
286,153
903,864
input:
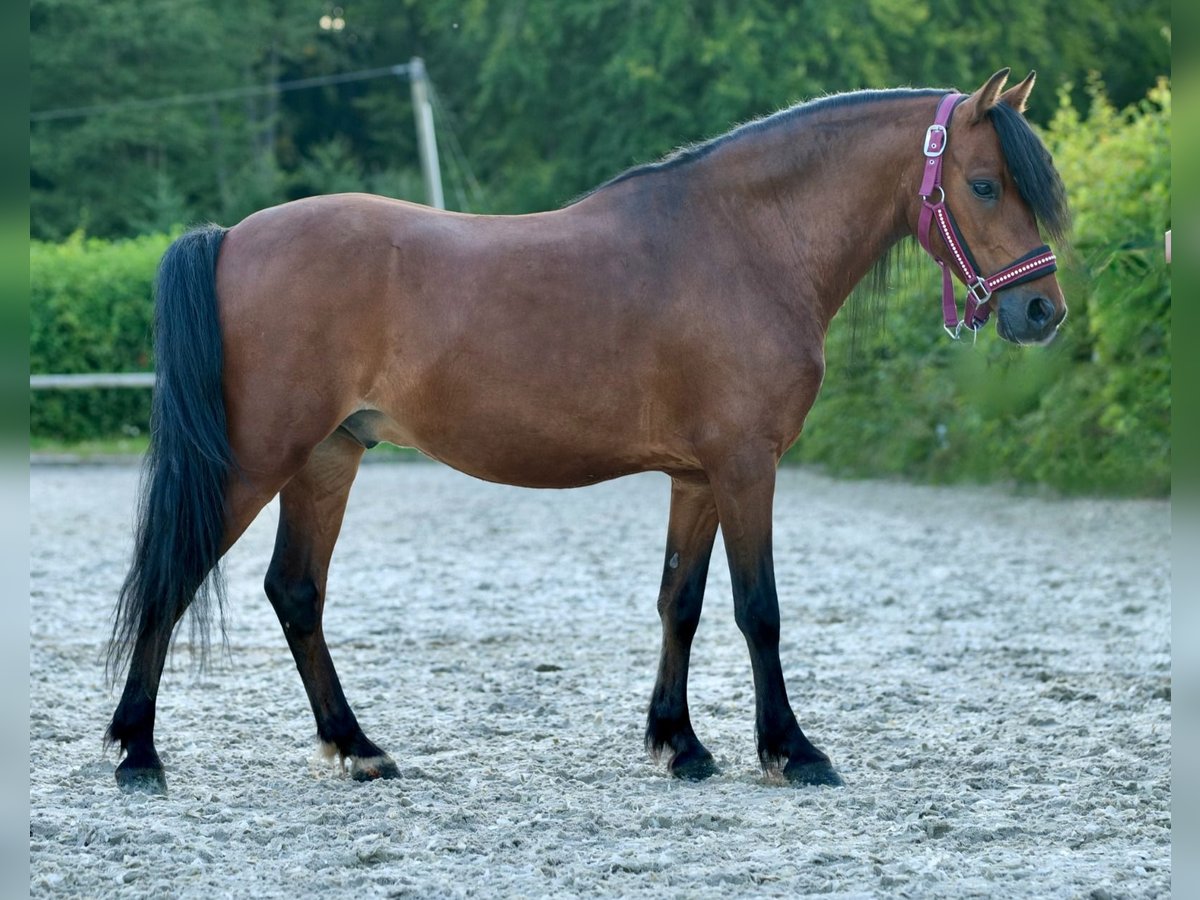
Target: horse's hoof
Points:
x,y
141,779
372,767
694,766
820,772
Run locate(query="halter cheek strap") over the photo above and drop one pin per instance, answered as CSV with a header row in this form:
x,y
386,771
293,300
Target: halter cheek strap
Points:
x,y
1035,264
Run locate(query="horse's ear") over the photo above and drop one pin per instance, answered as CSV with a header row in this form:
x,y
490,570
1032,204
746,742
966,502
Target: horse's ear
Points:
x,y
1018,95
977,105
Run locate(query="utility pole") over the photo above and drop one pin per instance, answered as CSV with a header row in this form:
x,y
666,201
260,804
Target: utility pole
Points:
x,y
426,141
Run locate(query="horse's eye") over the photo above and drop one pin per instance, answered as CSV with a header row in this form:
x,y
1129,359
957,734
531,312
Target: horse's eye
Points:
x,y
984,190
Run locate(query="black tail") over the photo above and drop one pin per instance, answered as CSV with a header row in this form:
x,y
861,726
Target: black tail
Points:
x,y
181,510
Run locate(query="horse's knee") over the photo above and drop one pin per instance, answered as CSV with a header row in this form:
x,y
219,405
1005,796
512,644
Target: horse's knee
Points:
x,y
681,610
758,621
297,602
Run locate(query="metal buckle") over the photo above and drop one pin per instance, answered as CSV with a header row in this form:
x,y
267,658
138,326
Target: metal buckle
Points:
x,y
956,334
934,147
974,291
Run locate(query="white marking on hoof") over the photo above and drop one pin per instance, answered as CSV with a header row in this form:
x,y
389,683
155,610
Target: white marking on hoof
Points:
x,y
361,768
329,756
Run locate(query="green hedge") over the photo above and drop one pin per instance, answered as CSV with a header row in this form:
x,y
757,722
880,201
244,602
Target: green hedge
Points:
x,y
1089,413
91,310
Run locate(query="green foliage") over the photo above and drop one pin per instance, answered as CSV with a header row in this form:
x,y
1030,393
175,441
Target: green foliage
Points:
x,y
546,99
91,311
1092,411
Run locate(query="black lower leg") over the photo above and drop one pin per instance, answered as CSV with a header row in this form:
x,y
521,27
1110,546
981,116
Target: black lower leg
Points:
x,y
132,726
298,603
745,493
782,745
668,723
689,545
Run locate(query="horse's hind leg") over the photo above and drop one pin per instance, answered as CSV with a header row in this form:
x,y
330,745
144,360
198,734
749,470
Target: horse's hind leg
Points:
x,y
311,508
690,534
132,724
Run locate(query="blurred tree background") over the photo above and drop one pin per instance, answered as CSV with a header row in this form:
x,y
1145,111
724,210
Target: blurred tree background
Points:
x,y
535,102
546,99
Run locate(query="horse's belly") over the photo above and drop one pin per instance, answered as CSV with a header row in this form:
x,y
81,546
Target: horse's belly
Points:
x,y
549,451
558,471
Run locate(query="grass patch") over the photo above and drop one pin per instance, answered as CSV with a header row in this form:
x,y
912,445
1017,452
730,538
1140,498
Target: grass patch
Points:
x,y
92,448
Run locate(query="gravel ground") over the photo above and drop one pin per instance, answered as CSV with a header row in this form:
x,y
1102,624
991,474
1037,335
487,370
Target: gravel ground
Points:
x,y
989,673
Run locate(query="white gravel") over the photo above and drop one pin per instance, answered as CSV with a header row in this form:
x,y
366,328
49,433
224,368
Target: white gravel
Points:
x,y
989,673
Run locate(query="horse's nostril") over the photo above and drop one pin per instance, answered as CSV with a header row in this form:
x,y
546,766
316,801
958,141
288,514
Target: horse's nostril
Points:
x,y
1039,311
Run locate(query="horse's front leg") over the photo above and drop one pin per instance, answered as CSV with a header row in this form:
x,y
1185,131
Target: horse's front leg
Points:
x,y
693,526
744,488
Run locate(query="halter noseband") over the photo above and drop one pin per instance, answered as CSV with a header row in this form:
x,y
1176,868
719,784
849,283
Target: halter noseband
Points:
x,y
1032,265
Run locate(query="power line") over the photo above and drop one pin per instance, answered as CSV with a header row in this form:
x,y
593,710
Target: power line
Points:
x,y
217,96
467,175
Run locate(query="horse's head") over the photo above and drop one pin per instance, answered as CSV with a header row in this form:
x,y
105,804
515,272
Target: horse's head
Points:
x,y
1000,182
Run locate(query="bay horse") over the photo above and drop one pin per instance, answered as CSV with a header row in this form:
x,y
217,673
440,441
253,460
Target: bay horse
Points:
x,y
673,319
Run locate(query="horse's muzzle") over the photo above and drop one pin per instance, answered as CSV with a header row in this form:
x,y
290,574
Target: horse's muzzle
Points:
x,y
1028,317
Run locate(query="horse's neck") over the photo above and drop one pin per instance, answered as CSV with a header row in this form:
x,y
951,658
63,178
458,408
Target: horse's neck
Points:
x,y
824,197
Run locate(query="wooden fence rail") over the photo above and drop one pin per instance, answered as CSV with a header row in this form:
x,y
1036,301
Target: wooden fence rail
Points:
x,y
91,380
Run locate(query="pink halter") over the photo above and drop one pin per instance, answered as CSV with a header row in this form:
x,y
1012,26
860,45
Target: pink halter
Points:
x,y
1040,261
